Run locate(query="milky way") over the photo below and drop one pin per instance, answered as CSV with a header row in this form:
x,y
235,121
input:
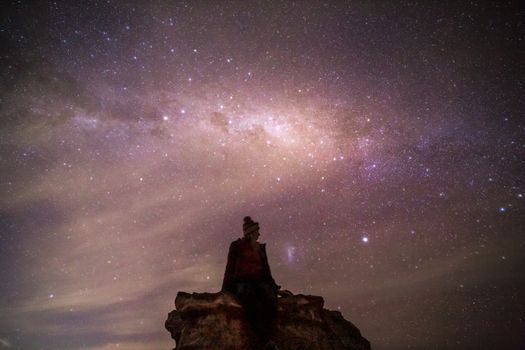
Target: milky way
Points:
x,y
379,146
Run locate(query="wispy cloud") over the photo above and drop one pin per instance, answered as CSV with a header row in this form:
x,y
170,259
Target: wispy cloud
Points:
x,y
4,343
132,346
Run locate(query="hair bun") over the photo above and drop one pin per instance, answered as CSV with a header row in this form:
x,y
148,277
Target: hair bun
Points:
x,y
249,225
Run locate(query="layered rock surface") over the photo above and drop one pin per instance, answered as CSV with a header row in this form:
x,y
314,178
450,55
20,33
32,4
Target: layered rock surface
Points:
x,y
213,321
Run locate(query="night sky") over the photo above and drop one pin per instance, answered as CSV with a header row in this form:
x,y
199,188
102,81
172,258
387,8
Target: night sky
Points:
x,y
380,145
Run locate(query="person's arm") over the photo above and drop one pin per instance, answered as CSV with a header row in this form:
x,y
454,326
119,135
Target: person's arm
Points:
x,y
228,281
267,273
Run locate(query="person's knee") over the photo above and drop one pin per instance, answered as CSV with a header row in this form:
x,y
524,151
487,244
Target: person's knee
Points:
x,y
243,289
247,296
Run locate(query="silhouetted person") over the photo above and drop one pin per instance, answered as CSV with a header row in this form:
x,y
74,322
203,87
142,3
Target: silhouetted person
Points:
x,y
248,276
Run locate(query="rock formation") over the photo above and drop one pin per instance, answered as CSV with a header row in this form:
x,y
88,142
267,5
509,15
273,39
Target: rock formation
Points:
x,y
213,321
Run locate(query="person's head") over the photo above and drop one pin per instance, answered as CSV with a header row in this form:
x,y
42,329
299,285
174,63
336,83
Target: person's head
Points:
x,y
250,228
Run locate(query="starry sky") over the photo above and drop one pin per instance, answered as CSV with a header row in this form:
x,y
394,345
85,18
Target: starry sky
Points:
x,y
380,145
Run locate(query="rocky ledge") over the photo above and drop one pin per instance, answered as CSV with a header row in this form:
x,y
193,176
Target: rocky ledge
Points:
x,y
213,321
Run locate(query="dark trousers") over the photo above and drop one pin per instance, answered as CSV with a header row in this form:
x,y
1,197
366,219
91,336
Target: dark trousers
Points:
x,y
259,301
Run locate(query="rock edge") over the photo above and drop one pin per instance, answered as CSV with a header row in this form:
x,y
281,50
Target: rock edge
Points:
x,y
213,321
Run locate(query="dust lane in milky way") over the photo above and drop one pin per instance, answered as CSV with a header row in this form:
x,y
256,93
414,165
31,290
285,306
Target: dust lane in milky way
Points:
x,y
379,146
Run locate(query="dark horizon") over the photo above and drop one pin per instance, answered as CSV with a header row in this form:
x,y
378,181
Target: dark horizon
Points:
x,y
380,147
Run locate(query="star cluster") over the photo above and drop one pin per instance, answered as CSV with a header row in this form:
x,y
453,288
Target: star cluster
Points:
x,y
379,145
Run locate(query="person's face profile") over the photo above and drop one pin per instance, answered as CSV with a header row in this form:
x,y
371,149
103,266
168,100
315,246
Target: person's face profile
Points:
x,y
254,235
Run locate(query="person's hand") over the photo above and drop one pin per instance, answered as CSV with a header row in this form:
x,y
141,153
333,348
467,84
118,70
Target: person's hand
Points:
x,y
283,293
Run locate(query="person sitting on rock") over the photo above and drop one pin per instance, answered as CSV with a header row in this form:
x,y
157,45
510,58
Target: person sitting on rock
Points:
x,y
248,276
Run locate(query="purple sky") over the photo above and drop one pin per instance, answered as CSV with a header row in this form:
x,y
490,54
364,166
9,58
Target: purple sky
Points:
x,y
380,147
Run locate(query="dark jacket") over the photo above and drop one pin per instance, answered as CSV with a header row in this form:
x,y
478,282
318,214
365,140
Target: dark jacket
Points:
x,y
229,275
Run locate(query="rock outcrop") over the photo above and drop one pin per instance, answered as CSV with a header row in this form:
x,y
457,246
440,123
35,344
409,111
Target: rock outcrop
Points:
x,y
213,321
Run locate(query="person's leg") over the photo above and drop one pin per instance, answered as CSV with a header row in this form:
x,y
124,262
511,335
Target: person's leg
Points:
x,y
259,302
248,296
267,311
